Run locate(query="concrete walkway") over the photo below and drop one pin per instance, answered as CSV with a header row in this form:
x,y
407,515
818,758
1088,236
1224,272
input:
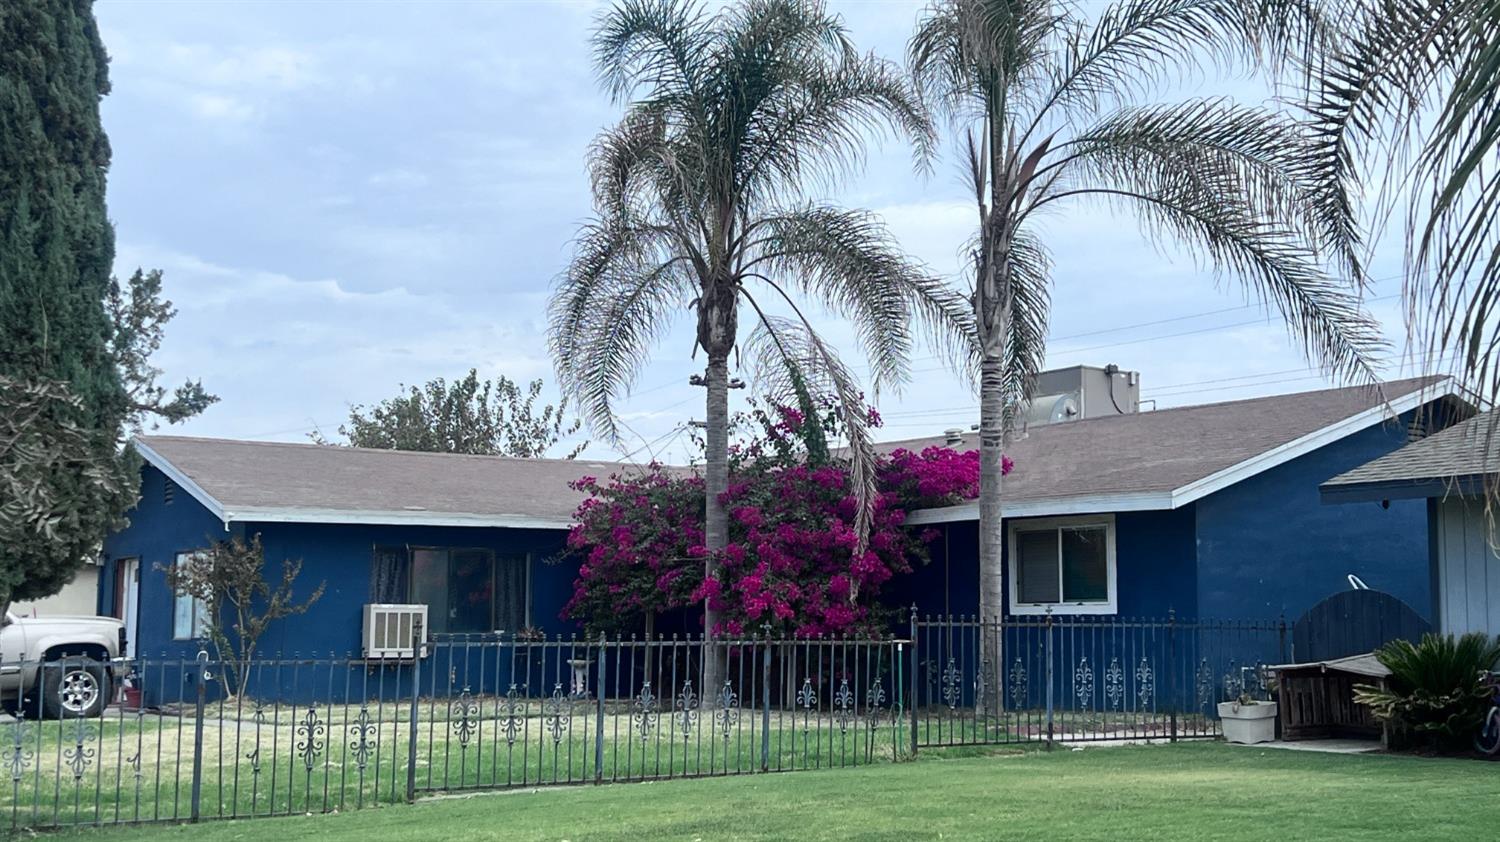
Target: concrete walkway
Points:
x,y
1326,746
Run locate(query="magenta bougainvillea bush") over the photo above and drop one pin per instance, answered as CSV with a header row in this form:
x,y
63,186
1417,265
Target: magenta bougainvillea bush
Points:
x,y
795,563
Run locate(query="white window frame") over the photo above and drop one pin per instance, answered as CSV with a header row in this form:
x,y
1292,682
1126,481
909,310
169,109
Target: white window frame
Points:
x,y
199,618
1049,524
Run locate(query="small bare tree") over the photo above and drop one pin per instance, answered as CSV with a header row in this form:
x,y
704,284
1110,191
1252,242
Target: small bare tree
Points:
x,y
229,580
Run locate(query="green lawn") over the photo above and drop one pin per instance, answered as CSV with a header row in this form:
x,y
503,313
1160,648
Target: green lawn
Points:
x,y
1197,792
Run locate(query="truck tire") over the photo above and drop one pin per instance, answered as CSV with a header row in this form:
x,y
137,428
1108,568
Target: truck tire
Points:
x,y
73,687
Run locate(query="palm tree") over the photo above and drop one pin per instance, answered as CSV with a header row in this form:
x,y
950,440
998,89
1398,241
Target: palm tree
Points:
x,y
1054,109
730,119
1408,91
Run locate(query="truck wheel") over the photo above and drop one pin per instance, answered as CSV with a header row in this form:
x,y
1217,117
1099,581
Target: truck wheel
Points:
x,y
73,687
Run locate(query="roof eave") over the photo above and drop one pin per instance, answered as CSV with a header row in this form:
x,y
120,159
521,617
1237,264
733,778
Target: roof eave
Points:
x,y
1200,488
271,514
183,481
1410,488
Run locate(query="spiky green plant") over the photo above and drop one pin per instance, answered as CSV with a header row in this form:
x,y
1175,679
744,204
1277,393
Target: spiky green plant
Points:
x,y
733,120
1055,108
1437,687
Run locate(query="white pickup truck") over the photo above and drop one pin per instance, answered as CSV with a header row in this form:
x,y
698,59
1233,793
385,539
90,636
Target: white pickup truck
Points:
x,y
58,667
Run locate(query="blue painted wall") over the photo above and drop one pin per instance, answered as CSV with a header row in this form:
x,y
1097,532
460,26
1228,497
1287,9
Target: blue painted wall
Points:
x,y
1154,554
1267,546
338,555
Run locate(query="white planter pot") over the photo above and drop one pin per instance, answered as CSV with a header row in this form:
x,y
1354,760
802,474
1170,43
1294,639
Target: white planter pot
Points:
x,y
1248,724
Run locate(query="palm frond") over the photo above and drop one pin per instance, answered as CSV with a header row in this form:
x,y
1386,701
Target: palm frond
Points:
x,y
657,43
968,51
1030,283
615,301
788,360
1207,209
849,261
1136,46
1267,153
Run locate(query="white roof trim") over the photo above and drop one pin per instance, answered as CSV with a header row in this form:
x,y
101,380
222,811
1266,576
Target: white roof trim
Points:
x,y
402,517
182,480
1200,488
1134,501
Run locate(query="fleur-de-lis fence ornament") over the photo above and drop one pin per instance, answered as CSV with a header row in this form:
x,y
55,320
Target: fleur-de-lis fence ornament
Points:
x,y
807,699
362,738
1204,682
253,756
1234,682
513,721
728,713
555,716
80,755
644,713
1114,684
952,685
19,759
843,706
1018,688
309,734
686,710
463,718
1145,684
874,703
1083,683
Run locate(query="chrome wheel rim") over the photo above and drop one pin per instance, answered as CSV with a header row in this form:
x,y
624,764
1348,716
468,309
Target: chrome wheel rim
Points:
x,y
77,691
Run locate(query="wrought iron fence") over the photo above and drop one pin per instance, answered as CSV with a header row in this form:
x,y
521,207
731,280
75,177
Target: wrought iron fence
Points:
x,y
312,735
1081,678
315,735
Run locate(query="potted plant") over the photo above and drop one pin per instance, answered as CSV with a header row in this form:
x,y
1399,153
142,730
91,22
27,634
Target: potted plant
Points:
x,y
1248,720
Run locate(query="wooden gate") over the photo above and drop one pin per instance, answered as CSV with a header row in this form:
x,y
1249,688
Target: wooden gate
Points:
x,y
1353,622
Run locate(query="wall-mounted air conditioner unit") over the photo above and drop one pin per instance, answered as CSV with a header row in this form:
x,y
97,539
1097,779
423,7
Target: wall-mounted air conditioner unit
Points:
x,y
389,629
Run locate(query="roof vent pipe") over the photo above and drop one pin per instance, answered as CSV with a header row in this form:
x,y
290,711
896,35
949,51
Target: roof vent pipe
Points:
x,y
953,436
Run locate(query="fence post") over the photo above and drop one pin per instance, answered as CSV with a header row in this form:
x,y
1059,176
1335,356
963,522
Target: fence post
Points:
x,y
1281,639
202,681
416,687
599,712
1048,658
765,700
911,703
1172,673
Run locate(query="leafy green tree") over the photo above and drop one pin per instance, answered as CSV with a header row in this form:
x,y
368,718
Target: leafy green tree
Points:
x,y
138,317
74,345
56,247
56,489
1054,109
480,417
700,193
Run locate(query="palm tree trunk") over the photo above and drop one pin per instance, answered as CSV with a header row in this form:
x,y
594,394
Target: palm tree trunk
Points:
x,y
716,519
991,524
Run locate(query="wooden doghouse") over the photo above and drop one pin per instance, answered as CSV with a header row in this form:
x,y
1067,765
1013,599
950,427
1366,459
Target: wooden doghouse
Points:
x,y
1316,699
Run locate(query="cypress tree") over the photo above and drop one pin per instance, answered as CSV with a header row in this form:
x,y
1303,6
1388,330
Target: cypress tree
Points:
x,y
56,253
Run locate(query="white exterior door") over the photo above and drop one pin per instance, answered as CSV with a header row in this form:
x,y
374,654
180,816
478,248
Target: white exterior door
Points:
x,y
130,601
1468,569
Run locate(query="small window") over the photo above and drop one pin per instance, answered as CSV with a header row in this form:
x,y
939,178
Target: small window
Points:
x,y
189,613
470,590
1063,564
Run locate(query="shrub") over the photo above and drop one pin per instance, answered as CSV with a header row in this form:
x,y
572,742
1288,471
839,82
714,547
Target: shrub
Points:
x,y
1437,687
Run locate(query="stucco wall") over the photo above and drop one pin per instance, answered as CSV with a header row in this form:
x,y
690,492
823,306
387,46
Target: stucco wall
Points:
x,y
1268,545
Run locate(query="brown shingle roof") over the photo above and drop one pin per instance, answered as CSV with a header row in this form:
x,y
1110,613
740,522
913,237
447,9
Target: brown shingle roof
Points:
x,y
249,478
1147,454
1467,449
1167,449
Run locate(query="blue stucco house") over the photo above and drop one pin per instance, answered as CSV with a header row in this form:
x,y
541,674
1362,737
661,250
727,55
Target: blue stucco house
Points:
x,y
1206,511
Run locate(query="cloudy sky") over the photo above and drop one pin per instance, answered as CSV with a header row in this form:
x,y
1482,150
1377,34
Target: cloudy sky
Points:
x,y
345,196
